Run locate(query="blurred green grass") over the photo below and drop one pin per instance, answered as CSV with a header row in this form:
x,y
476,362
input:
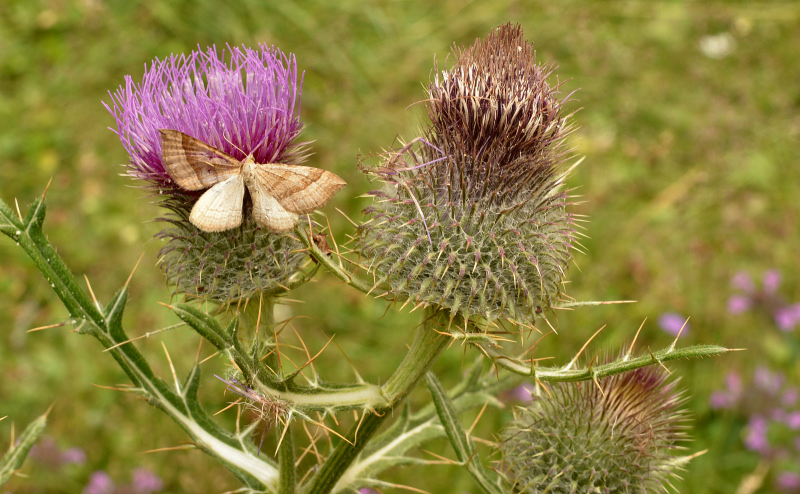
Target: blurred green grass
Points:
x,y
691,174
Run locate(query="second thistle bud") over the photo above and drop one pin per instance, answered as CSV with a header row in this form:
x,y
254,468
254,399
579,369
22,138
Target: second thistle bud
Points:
x,y
473,218
619,437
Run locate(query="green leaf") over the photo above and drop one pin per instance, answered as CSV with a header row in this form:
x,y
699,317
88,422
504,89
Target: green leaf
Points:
x,y
462,444
15,456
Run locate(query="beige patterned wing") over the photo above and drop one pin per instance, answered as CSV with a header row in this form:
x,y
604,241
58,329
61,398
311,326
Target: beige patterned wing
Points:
x,y
220,207
268,212
299,189
193,164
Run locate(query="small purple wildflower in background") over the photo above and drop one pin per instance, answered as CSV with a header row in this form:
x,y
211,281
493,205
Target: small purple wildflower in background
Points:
x,y
790,397
100,483
770,406
143,481
672,322
756,438
768,382
730,396
367,490
788,481
48,452
522,393
786,316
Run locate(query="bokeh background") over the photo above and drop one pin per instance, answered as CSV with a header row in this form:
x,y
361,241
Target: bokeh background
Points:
x,y
689,120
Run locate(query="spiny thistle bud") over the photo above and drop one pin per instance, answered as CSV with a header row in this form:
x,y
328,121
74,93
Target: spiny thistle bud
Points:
x,y
247,104
473,218
582,439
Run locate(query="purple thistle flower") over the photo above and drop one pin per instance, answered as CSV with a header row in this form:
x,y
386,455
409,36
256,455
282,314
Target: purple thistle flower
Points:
x,y
672,323
246,104
242,101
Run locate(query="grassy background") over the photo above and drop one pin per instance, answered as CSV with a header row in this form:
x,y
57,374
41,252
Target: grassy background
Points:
x,y
691,174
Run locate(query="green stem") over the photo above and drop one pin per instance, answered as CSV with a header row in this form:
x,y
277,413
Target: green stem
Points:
x,y
428,344
288,476
570,373
340,272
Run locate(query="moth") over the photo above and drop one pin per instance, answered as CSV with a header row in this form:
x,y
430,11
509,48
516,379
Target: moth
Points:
x,y
279,192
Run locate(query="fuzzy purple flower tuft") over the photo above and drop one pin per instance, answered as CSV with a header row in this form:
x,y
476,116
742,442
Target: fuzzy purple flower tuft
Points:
x,y
246,102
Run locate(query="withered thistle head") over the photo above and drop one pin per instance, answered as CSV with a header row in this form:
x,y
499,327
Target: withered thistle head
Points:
x,y
473,218
240,101
622,436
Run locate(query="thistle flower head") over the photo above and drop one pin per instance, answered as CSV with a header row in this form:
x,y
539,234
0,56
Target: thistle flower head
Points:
x,y
618,436
243,101
473,218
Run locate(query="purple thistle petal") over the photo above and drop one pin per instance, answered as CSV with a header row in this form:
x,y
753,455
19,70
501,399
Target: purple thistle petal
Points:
x,y
739,303
743,282
672,322
246,104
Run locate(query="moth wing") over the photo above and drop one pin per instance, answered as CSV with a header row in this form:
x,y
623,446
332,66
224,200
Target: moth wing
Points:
x,y
220,207
193,164
268,212
299,189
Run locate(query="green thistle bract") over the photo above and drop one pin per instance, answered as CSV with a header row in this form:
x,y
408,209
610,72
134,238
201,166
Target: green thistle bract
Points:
x,y
472,217
584,440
